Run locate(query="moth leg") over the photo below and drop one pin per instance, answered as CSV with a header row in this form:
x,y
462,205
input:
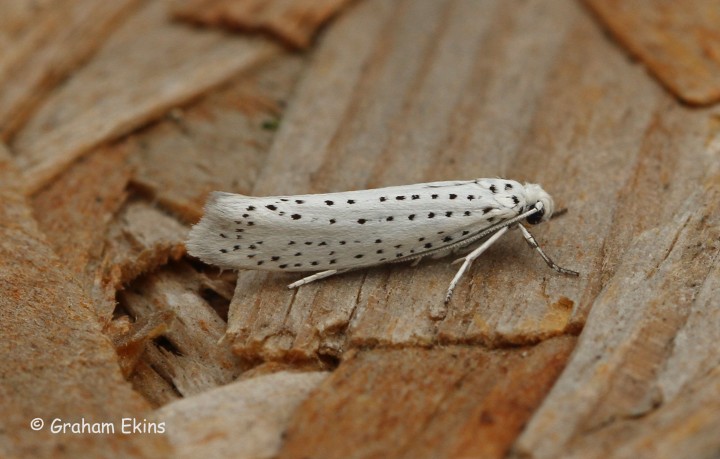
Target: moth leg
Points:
x,y
316,276
415,263
470,258
533,244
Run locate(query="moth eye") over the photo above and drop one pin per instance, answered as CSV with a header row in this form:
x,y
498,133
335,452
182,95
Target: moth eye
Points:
x,y
536,218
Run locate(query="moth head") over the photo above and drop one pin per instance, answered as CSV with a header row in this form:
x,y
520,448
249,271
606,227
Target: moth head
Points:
x,y
538,198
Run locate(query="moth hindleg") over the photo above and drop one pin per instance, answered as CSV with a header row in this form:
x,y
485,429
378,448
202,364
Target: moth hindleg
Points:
x,y
316,276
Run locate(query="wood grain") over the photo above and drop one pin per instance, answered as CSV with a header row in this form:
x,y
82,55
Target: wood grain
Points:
x,y
523,363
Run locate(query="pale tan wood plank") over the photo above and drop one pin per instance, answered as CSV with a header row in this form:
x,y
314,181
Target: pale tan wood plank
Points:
x,y
41,43
415,403
679,42
54,355
246,419
627,364
294,22
687,426
147,66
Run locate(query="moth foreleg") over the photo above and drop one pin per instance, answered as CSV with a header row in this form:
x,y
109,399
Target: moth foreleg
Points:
x,y
533,244
470,258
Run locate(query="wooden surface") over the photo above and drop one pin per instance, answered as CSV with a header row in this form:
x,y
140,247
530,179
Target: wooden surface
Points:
x,y
108,163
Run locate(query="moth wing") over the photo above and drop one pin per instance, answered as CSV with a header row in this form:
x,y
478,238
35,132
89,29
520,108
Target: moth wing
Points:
x,y
349,229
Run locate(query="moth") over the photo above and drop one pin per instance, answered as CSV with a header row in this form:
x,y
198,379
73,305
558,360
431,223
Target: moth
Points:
x,y
334,233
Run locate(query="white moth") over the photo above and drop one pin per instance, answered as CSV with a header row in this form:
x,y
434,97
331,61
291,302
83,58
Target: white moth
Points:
x,y
337,232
